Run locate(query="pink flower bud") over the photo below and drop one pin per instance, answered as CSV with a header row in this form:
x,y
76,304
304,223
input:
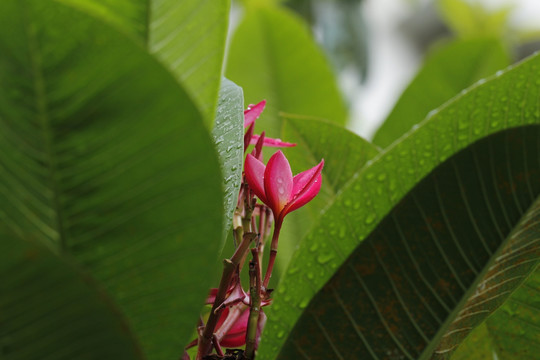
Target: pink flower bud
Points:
x,y
275,186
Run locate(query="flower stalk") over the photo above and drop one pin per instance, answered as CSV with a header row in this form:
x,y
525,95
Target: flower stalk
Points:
x,y
254,306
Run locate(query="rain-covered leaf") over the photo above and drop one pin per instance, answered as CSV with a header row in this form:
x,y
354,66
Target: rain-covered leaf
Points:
x,y
447,255
228,136
105,158
274,57
446,71
507,100
188,36
345,152
49,310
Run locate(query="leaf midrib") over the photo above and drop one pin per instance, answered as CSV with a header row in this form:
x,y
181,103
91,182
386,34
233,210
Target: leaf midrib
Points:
x,y
44,121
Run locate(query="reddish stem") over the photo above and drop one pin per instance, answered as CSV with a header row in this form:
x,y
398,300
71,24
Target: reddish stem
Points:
x,y
273,252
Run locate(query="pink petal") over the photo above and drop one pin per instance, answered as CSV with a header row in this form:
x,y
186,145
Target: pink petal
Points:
x,y
254,170
236,336
247,136
278,182
257,151
253,112
222,317
306,186
271,142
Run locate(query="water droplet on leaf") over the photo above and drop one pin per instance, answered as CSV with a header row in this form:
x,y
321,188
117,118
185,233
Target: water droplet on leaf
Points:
x,y
324,258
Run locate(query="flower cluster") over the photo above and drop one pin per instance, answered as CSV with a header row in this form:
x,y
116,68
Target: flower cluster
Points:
x,y
237,318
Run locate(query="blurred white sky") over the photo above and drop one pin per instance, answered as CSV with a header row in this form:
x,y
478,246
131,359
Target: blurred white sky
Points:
x,y
393,63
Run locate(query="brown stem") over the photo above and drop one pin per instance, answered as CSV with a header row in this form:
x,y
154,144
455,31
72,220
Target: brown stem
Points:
x,y
229,267
255,305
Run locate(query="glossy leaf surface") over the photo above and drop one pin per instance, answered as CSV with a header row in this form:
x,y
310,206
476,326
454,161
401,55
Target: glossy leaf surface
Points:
x,y
49,310
228,136
274,57
432,270
446,72
105,159
187,36
502,102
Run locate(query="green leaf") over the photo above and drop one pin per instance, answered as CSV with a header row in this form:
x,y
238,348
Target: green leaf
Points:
x,y
446,256
105,159
49,310
511,332
476,346
228,136
274,57
188,36
344,153
445,72
514,327
502,102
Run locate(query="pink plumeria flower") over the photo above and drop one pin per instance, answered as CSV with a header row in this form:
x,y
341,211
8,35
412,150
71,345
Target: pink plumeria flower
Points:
x,y
251,114
275,185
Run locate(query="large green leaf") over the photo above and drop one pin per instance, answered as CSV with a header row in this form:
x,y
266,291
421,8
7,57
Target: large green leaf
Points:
x,y
188,36
314,137
50,311
446,72
228,136
273,57
434,269
504,101
512,332
104,157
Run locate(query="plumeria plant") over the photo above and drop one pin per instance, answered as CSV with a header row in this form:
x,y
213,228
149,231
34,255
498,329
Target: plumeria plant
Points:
x,y
142,205
237,317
